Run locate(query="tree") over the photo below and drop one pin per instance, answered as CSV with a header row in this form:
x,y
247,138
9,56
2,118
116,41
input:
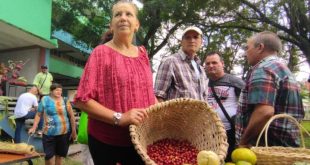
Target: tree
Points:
x,y
288,18
296,16
226,24
85,19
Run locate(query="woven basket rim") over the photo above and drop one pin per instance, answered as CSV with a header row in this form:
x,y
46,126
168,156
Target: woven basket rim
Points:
x,y
276,154
160,106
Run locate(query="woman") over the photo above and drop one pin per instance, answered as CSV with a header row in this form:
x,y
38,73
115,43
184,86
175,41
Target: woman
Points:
x,y
115,89
56,129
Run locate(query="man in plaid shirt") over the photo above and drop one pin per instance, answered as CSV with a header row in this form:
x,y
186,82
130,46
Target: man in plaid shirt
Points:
x,y
181,75
270,89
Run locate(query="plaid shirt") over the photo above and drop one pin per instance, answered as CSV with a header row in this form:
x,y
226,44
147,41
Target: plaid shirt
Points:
x,y
271,83
176,78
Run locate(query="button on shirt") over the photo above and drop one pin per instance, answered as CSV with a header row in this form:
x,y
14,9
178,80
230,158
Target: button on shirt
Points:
x,y
177,78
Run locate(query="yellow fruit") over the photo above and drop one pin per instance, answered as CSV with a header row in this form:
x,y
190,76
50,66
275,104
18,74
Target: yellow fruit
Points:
x,y
243,163
230,163
208,158
243,154
202,161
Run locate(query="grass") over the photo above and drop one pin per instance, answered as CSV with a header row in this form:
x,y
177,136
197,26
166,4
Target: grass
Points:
x,y
306,125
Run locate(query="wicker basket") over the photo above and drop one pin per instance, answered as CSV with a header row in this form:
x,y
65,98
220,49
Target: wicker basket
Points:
x,y
181,119
277,155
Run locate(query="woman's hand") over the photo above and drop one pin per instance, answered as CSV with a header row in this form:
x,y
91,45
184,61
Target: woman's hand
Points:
x,y
73,135
133,116
32,130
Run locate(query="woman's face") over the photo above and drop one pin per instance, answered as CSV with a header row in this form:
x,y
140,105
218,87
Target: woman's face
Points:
x,y
56,92
124,20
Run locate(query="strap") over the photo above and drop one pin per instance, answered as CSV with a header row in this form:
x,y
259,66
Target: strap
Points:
x,y
222,108
43,81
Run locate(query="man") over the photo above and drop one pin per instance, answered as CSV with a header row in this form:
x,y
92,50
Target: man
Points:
x,y
227,89
181,75
270,89
43,80
26,108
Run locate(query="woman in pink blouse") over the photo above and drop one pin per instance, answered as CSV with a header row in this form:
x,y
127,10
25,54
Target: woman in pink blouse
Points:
x,y
115,89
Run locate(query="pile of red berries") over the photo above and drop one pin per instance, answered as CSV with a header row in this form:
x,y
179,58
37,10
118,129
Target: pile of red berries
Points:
x,y
172,152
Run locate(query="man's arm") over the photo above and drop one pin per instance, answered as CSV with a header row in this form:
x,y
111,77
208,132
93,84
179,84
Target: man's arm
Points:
x,y
260,116
160,99
34,108
163,80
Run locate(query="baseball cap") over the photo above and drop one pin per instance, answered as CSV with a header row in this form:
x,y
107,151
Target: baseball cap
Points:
x,y
43,67
192,28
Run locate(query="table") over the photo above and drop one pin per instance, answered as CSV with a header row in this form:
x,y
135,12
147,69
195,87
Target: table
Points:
x,y
6,158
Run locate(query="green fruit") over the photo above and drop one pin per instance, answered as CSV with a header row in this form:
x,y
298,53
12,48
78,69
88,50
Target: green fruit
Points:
x,y
243,163
230,163
244,154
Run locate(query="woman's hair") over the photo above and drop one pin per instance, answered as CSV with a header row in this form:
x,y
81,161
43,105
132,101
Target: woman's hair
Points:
x,y
54,86
128,2
106,37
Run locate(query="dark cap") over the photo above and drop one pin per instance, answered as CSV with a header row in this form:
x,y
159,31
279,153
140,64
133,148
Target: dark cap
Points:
x,y
43,67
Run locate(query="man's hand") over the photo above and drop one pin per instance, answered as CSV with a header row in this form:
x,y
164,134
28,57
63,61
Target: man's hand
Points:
x,y
260,116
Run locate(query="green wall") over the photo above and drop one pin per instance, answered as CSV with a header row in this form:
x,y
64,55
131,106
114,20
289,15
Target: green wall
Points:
x,y
64,68
33,16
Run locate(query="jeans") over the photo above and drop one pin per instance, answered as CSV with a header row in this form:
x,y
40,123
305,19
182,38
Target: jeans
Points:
x,y
232,143
21,121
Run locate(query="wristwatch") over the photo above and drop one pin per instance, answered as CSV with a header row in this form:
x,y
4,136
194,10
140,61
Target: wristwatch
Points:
x,y
117,117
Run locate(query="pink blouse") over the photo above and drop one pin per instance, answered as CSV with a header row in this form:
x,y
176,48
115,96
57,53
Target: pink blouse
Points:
x,y
119,83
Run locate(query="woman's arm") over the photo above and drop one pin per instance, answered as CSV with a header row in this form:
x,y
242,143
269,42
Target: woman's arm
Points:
x,y
72,120
100,112
35,123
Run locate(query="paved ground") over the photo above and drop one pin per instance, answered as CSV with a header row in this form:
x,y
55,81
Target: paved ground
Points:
x,y
74,152
74,149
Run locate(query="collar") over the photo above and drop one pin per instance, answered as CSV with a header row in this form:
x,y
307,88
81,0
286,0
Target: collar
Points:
x,y
184,57
268,58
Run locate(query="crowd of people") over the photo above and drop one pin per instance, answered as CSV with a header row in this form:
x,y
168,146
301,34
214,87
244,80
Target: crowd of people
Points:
x,y
117,86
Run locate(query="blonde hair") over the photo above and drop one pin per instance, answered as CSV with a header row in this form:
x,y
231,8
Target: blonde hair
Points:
x,y
134,6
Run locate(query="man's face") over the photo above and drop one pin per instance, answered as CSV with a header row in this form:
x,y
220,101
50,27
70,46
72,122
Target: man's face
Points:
x,y
252,52
214,66
35,90
44,70
191,42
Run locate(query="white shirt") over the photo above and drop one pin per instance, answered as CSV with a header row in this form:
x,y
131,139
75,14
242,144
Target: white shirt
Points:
x,y
229,101
24,104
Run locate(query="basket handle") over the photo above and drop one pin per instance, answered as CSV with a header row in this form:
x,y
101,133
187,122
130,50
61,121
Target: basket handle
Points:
x,y
266,127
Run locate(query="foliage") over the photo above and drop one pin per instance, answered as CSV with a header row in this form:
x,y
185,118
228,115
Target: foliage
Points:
x,y
306,125
226,24
85,19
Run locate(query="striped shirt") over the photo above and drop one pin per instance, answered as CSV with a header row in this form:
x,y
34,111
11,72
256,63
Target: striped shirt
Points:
x,y
56,121
177,78
271,83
